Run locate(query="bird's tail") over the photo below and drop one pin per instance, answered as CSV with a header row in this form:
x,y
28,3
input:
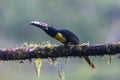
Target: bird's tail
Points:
x,y
89,62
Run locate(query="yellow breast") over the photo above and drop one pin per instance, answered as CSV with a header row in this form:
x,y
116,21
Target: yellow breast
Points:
x,y
60,37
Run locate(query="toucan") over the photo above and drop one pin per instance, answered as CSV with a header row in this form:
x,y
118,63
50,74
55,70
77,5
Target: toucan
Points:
x,y
64,36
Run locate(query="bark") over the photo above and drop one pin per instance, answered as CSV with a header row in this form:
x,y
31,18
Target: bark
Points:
x,y
59,51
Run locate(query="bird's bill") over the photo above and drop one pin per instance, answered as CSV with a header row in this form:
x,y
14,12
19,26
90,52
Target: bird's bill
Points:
x,y
39,24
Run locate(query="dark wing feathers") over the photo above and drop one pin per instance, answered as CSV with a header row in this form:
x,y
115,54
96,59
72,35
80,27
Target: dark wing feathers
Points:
x,y
70,36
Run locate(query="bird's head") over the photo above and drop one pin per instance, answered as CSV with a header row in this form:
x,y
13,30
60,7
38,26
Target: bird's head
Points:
x,y
41,25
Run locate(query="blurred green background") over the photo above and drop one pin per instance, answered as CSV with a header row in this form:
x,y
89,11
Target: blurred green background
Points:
x,y
91,20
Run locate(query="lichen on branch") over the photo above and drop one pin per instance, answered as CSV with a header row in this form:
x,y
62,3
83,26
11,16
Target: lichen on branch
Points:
x,y
54,51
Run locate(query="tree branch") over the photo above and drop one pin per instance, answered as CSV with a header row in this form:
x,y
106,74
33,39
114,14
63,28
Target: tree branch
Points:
x,y
59,51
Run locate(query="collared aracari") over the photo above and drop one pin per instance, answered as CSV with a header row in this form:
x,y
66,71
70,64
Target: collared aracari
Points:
x,y
64,36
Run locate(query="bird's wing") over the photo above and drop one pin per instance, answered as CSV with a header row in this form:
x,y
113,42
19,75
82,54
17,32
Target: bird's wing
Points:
x,y
70,36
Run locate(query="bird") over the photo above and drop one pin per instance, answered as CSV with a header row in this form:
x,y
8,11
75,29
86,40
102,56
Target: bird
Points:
x,y
64,36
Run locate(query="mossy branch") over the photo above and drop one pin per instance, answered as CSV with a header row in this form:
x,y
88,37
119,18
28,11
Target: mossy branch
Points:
x,y
53,51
